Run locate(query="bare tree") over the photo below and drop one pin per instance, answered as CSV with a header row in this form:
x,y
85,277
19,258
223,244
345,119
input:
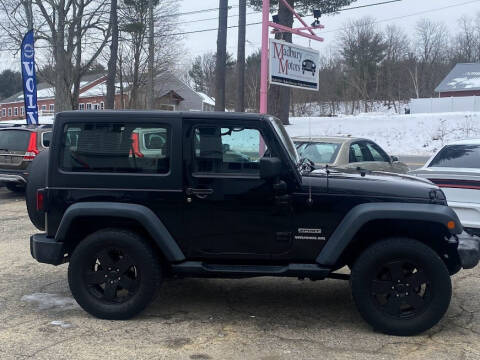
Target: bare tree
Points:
x,y
112,61
242,18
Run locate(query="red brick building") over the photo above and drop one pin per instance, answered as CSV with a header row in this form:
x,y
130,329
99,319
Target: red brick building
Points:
x,y
92,97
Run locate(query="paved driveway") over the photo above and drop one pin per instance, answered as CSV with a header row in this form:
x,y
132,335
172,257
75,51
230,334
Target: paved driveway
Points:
x,y
263,318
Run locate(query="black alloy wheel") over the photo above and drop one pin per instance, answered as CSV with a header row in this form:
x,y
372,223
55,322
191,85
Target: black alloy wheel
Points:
x,y
114,274
401,286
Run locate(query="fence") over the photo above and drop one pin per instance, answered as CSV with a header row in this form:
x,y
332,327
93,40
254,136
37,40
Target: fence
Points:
x,y
440,105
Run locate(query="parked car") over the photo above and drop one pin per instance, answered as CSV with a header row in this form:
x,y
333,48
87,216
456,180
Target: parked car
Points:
x,y
19,145
456,169
251,208
348,153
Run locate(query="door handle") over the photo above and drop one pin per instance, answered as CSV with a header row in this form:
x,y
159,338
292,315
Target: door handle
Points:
x,y
200,193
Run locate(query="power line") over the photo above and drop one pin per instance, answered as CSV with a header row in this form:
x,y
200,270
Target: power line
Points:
x,y
259,22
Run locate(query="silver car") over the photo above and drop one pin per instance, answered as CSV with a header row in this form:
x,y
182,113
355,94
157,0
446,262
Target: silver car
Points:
x,y
348,153
456,169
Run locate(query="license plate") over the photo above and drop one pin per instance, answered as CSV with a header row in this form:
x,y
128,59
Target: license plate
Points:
x,y
6,159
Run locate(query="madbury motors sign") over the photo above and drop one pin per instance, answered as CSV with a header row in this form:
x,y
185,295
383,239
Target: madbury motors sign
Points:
x,y
292,65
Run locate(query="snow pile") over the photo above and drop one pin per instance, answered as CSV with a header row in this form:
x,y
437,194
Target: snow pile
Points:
x,y
45,301
415,134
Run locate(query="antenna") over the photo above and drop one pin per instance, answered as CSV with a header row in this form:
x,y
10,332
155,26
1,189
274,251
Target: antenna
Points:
x,y
310,201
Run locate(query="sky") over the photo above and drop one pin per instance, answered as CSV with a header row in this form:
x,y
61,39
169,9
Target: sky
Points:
x,y
404,13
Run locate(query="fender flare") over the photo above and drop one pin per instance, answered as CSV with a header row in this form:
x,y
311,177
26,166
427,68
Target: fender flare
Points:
x,y
364,213
152,224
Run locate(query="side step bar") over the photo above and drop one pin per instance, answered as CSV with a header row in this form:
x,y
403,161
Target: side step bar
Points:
x,y
201,269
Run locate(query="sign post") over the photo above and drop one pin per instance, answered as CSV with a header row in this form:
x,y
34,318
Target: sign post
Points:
x,y
293,78
29,78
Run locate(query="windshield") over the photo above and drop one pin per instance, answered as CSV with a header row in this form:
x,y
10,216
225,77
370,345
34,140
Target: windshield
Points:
x,y
287,142
319,153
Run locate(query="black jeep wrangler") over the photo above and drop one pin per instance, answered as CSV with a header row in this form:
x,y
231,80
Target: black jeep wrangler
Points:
x,y
130,198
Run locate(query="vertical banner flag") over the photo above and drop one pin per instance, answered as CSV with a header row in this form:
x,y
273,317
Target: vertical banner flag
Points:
x,y
29,78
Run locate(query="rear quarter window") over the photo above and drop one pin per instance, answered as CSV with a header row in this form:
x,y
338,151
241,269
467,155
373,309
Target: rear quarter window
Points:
x,y
116,148
14,140
458,156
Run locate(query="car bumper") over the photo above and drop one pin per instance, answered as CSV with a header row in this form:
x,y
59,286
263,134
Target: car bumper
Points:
x,y
46,250
13,176
468,213
468,250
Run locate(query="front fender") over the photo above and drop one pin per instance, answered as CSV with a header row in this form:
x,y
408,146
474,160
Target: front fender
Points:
x,y
151,223
364,213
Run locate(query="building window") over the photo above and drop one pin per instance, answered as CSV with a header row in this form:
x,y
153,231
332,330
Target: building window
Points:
x,y
4,112
22,110
89,106
9,111
82,106
167,107
51,107
95,106
102,105
15,111
44,107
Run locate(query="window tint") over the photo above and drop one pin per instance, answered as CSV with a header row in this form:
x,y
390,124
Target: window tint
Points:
x,y
458,156
14,140
227,150
323,153
356,154
377,153
123,148
46,139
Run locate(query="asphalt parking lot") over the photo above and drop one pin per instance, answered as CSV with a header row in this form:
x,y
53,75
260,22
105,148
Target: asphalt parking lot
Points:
x,y
263,318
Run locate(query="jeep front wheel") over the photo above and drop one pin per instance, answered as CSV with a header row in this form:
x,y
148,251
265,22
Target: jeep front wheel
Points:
x,y
114,274
401,286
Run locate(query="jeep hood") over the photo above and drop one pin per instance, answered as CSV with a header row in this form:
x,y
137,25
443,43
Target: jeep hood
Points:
x,y
370,184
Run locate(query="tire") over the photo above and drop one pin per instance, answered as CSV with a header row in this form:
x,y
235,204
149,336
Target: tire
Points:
x,y
37,179
127,288
16,188
382,280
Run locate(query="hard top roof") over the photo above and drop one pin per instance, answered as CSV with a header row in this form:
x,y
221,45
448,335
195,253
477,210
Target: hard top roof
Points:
x,y
135,115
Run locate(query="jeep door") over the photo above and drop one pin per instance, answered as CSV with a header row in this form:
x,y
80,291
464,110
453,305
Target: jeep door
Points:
x,y
230,212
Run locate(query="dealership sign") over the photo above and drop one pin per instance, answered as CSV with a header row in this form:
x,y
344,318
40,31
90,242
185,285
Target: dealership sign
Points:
x,y
293,65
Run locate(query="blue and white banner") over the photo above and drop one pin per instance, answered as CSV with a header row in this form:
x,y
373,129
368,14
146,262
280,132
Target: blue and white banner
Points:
x,y
29,78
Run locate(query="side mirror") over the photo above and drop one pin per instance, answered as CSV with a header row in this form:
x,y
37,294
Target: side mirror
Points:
x,y
270,167
394,158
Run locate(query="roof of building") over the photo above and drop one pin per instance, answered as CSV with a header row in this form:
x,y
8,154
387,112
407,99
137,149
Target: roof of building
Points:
x,y
47,91
463,77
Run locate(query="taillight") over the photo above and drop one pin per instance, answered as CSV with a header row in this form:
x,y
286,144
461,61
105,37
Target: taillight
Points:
x,y
32,149
136,146
40,200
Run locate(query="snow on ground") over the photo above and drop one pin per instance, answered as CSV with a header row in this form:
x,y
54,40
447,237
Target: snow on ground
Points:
x,y
45,301
415,134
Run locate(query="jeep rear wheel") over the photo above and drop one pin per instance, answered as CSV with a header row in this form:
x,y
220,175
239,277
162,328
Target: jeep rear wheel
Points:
x,y
401,286
114,274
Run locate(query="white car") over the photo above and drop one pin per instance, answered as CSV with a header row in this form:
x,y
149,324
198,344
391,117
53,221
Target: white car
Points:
x,y
456,169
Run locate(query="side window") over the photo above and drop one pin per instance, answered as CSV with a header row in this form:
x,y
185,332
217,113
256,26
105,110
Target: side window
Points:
x,y
355,153
377,153
118,148
46,139
230,150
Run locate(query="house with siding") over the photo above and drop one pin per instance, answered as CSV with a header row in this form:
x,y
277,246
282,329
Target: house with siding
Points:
x,y
170,94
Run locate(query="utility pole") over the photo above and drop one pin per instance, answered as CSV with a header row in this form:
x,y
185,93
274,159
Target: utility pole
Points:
x,y
220,68
151,57
242,19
